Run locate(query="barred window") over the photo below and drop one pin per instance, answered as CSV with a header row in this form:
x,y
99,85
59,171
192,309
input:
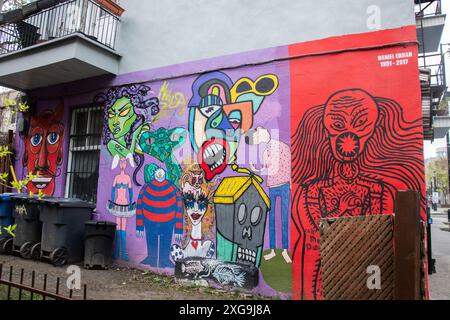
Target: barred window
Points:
x,y
84,153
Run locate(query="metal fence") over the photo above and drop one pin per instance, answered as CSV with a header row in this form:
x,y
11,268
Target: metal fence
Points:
x,y
76,16
425,8
28,288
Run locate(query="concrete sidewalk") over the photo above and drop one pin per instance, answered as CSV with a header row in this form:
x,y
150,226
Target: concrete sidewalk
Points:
x,y
439,282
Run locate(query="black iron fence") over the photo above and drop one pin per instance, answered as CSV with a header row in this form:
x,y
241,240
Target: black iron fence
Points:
x,y
76,16
31,286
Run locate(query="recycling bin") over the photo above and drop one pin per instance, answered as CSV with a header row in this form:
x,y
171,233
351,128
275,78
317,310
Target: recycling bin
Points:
x,y
99,244
63,229
26,241
6,220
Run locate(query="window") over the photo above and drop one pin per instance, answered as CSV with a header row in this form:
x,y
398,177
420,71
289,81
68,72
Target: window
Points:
x,y
84,153
13,118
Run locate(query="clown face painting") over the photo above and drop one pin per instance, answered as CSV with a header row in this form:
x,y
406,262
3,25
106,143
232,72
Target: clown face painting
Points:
x,y
43,150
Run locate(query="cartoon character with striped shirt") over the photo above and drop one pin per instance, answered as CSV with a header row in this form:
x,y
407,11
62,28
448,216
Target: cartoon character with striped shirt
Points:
x,y
160,213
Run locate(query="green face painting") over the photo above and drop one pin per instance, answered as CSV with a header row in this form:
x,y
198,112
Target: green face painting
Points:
x,y
121,117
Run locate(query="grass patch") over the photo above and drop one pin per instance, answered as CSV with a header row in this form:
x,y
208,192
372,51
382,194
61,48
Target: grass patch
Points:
x,y
15,294
276,272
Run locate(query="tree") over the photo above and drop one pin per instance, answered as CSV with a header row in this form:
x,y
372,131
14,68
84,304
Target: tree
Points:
x,y
7,5
436,174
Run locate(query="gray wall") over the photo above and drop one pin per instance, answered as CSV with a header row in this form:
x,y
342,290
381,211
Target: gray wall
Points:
x,y
157,33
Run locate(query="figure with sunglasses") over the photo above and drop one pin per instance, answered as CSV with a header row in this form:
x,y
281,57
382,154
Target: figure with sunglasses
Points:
x,y
199,220
220,111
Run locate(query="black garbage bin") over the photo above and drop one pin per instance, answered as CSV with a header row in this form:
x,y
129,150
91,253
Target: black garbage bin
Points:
x,y
99,243
63,229
28,226
6,220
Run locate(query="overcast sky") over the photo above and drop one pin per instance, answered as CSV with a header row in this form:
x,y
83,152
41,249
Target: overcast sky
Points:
x,y
430,148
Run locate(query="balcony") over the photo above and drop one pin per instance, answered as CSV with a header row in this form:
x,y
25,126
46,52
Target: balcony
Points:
x,y
435,64
430,24
72,40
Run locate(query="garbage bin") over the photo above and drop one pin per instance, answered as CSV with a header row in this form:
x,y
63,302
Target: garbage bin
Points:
x,y
99,243
63,229
6,220
28,231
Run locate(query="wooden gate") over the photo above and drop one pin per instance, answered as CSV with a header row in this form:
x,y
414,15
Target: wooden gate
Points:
x,y
355,251
351,249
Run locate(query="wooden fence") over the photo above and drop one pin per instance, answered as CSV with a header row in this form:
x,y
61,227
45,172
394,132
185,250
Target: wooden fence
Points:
x,y
355,250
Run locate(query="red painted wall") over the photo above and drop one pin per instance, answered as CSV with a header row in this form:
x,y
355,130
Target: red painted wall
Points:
x,y
356,135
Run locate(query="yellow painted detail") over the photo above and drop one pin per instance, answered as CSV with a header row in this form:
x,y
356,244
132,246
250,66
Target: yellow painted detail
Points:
x,y
232,188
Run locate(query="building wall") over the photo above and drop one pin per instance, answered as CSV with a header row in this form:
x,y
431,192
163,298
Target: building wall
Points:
x,y
346,108
160,33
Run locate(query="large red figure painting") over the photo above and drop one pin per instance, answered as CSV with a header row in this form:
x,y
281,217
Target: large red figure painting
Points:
x,y
44,150
356,139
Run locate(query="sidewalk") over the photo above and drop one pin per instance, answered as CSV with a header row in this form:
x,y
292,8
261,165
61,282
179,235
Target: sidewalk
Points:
x,y
439,282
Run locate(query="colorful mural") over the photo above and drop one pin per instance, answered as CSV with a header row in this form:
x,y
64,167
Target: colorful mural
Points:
x,y
277,167
220,111
43,153
199,219
122,206
355,141
127,114
324,135
159,213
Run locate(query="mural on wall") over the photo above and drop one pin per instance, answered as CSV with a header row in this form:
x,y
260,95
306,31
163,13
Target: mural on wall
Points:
x,y
198,215
43,153
223,273
277,168
350,155
183,209
127,114
122,206
170,102
161,145
160,213
241,207
220,111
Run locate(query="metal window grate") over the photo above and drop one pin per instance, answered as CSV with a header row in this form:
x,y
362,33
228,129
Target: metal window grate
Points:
x,y
84,153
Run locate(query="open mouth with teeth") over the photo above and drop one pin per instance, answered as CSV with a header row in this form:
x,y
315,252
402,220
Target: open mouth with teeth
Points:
x,y
246,255
213,157
41,182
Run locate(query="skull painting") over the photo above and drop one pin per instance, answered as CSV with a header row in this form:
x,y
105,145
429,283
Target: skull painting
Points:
x,y
241,207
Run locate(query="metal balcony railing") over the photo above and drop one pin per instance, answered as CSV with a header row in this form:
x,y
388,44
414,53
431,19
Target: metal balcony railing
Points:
x,y
77,16
426,8
436,63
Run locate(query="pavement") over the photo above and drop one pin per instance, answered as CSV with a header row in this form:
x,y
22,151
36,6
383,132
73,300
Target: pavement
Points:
x,y
439,282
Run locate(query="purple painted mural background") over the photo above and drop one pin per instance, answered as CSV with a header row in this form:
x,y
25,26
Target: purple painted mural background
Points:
x,y
273,114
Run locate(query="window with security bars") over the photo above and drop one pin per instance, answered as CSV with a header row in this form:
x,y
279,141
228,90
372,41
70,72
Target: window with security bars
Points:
x,y
84,153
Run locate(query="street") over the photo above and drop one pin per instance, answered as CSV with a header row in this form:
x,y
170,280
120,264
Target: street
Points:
x,y
440,238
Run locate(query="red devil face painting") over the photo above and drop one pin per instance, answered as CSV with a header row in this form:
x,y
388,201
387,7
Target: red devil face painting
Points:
x,y
43,150
350,118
